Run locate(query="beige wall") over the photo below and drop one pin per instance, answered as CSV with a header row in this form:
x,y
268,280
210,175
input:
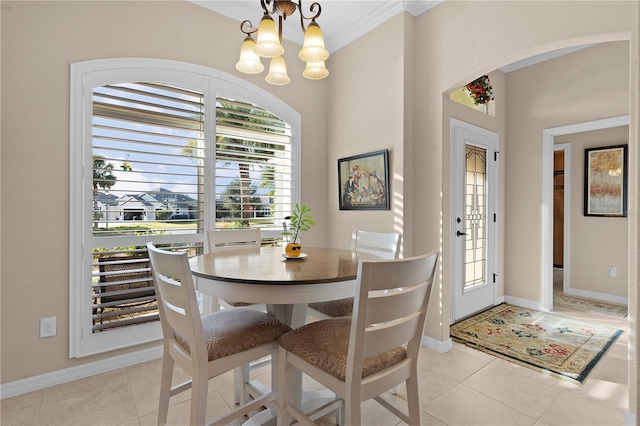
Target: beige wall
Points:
x,y
517,30
587,85
595,242
39,41
445,59
367,113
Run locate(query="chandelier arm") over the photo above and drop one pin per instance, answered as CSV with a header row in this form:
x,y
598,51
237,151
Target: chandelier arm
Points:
x,y
265,4
312,9
247,27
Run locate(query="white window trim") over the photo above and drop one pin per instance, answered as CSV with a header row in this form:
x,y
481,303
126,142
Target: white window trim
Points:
x,y
213,83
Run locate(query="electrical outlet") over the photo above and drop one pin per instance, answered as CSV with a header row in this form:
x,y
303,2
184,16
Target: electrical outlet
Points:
x,y
613,271
47,327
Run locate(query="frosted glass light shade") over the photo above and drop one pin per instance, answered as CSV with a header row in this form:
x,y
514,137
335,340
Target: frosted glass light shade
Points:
x,y
315,70
249,62
277,72
268,44
313,49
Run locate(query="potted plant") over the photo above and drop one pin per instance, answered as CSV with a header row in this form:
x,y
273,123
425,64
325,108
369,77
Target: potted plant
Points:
x,y
300,221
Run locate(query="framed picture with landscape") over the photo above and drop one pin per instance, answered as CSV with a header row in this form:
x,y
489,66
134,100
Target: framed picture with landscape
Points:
x,y
364,181
605,181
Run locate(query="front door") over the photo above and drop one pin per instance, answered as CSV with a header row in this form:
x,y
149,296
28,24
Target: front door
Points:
x,y
474,220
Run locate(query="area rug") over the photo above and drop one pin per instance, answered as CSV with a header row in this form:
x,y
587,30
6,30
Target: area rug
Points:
x,y
560,346
587,305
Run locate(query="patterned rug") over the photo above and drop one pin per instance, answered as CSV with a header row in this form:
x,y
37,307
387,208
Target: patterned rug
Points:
x,y
560,346
587,305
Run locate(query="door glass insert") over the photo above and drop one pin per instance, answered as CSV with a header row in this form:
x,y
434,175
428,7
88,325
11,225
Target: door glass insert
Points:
x,y
475,216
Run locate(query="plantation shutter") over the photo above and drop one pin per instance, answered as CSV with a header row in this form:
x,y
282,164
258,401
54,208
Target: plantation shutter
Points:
x,y
253,171
148,181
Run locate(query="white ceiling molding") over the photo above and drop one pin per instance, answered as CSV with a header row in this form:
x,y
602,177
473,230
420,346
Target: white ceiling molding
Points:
x,y
375,17
342,21
417,8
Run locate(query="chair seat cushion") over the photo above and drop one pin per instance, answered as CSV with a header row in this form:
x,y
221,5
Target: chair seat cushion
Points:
x,y
334,308
231,331
324,344
237,304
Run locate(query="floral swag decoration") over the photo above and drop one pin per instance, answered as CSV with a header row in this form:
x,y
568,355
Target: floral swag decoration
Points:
x,y
480,90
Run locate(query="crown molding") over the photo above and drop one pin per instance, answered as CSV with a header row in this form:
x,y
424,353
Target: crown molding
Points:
x,y
356,17
377,17
417,8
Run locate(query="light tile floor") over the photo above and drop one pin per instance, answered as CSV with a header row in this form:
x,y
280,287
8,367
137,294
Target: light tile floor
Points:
x,y
460,387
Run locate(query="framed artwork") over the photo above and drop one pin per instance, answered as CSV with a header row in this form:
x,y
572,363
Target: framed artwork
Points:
x,y
605,181
364,181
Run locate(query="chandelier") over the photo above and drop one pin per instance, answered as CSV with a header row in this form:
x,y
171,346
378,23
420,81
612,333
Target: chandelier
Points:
x,y
269,43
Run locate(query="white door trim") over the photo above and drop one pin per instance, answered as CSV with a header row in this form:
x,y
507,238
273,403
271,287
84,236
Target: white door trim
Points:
x,y
492,250
547,194
566,272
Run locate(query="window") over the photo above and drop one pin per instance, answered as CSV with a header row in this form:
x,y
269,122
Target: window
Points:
x,y
477,95
175,149
253,168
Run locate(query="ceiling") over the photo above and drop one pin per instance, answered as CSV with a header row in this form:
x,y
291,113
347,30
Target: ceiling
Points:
x,y
343,21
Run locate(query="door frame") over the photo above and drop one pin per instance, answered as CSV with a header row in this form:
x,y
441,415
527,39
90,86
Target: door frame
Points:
x,y
566,234
493,249
547,194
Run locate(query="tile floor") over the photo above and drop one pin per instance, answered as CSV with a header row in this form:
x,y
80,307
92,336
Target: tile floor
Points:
x,y
460,387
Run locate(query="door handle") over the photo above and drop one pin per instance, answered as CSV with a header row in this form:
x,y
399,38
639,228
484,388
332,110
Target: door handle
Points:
x,y
459,234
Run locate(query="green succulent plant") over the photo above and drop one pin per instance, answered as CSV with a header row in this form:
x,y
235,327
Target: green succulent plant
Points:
x,y
300,221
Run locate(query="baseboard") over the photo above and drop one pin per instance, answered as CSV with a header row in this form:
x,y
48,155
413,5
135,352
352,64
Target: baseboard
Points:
x,y
629,419
524,303
31,384
437,345
602,297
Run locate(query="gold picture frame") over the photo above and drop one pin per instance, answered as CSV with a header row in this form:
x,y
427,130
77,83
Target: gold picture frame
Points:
x,y
605,181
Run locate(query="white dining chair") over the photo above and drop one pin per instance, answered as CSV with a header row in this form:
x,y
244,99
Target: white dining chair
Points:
x,y
227,240
379,244
205,347
363,356
232,239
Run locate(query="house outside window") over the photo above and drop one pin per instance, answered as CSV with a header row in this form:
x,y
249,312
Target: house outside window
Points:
x,y
175,149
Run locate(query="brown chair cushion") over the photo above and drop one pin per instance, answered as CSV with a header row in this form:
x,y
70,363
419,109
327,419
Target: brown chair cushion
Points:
x,y
324,344
238,304
334,308
231,331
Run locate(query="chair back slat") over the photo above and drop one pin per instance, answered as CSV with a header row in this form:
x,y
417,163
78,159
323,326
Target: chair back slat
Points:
x,y
176,297
232,239
406,284
384,338
387,305
380,244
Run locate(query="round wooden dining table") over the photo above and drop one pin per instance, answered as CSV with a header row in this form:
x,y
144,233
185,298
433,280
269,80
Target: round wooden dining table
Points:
x,y
283,284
